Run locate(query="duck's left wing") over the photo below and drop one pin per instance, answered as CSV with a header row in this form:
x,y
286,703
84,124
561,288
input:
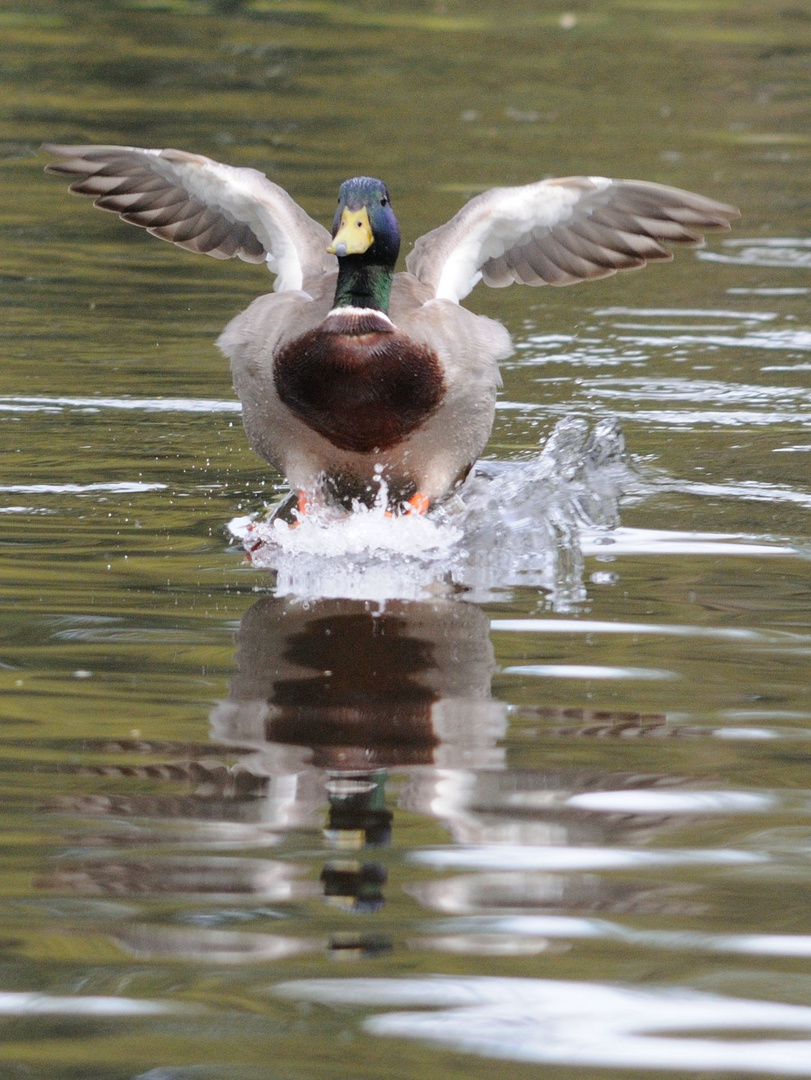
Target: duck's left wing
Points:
x,y
558,232
201,205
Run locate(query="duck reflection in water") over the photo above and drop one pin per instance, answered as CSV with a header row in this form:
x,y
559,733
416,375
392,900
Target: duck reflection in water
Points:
x,y
362,685
330,696
332,693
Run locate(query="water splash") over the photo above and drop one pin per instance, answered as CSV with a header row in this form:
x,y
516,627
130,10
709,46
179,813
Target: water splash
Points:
x,y
513,523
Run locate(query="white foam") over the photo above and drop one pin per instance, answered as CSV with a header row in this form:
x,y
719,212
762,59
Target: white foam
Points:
x,y
513,523
365,554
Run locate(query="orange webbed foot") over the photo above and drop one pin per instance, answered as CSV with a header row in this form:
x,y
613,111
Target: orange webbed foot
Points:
x,y
417,504
302,506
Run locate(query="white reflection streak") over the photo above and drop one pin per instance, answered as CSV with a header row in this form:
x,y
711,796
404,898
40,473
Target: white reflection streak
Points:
x,y
673,802
695,417
627,541
689,313
766,339
748,490
589,671
553,1022
596,626
569,928
542,857
787,251
765,242
122,488
13,403
32,1004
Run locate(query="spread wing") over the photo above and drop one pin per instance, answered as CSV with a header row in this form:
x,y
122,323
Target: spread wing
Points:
x,y
201,205
558,232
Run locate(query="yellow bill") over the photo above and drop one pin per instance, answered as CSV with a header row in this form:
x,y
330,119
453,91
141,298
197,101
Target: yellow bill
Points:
x,y
354,235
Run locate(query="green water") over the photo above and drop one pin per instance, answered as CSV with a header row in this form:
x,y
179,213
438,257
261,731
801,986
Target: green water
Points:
x,y
605,787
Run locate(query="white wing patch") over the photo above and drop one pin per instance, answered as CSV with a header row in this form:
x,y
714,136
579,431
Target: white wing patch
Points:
x,y
517,214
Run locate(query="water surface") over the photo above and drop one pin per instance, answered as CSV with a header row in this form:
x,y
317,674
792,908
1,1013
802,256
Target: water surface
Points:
x,y
518,791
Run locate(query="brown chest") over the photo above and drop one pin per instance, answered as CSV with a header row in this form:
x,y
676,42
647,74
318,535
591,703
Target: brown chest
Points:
x,y
363,392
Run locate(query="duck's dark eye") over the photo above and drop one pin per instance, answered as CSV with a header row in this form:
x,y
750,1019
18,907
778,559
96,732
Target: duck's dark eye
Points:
x,y
384,202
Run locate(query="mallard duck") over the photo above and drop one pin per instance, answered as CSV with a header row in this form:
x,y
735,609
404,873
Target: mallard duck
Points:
x,y
352,376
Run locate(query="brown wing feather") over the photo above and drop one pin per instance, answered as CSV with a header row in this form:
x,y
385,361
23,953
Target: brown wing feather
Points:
x,y
201,205
126,183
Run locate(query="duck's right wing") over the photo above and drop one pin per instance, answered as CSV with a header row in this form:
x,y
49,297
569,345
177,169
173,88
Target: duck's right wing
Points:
x,y
201,205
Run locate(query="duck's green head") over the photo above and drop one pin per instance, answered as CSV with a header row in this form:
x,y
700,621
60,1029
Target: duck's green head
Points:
x,y
365,224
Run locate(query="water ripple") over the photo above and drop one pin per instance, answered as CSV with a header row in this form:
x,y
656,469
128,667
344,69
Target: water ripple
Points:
x,y
774,251
540,857
15,403
32,1004
544,1020
123,487
574,929
595,626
